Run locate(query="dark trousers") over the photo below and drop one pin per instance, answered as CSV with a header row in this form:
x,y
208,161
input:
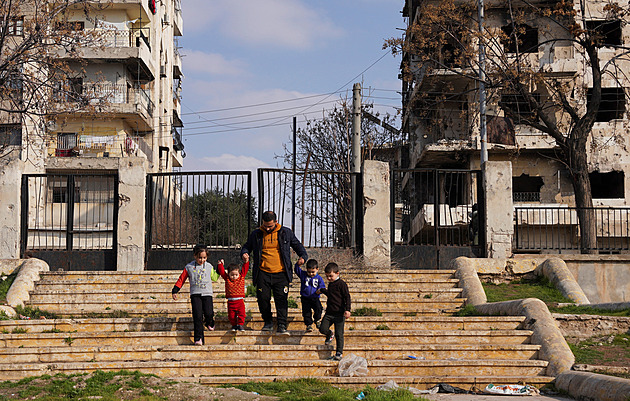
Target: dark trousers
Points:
x,y
278,284
203,313
236,312
311,310
338,320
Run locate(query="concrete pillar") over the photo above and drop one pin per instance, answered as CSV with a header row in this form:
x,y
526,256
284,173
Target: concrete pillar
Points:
x,y
499,208
131,214
10,207
376,214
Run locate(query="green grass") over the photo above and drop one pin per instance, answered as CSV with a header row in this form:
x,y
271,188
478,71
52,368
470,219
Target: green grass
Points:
x,y
364,311
316,390
468,310
99,385
588,310
250,291
116,313
382,327
4,316
292,303
539,287
35,313
19,330
590,351
5,284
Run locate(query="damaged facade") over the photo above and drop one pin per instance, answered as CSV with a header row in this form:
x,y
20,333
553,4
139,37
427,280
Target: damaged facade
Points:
x,y
441,114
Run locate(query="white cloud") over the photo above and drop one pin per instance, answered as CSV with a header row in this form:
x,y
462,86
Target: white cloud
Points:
x,y
224,162
211,63
276,23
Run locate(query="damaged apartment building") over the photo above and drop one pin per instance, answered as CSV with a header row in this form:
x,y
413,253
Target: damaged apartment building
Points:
x,y
106,112
442,119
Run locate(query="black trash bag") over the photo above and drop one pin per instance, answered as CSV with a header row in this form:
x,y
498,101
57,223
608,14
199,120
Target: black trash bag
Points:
x,y
447,388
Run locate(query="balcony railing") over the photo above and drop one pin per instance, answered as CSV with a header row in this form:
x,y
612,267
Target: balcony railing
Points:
x,y
106,93
125,38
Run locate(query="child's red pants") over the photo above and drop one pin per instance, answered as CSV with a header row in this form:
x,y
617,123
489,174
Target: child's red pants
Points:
x,y
236,312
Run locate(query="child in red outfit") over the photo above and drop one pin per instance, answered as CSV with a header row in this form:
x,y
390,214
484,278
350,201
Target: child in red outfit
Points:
x,y
235,292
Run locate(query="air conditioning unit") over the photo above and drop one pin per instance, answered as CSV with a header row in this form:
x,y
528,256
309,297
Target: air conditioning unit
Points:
x,y
165,19
163,71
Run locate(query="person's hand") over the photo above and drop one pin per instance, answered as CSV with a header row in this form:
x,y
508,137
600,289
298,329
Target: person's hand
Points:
x,y
245,257
221,262
318,292
300,261
346,314
175,297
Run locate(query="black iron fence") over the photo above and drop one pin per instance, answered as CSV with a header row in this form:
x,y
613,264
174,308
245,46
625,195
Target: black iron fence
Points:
x,y
322,216
439,212
212,208
70,220
557,229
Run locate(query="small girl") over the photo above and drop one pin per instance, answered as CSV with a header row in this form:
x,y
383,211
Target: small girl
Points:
x,y
235,292
201,275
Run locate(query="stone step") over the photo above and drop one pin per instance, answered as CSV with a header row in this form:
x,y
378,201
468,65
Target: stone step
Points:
x,y
374,337
263,352
43,296
170,276
419,382
383,368
147,307
255,321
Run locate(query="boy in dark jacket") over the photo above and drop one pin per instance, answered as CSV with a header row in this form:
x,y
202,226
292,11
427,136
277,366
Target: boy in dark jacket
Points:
x,y
310,283
337,308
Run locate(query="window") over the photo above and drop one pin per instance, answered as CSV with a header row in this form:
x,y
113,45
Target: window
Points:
x,y
607,185
15,27
75,89
70,25
612,106
10,135
526,188
605,32
520,37
66,141
518,105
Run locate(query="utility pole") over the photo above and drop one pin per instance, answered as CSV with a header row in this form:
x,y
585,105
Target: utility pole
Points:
x,y
356,156
294,171
482,87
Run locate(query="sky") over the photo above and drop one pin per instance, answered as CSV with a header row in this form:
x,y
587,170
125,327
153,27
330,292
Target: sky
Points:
x,y
251,65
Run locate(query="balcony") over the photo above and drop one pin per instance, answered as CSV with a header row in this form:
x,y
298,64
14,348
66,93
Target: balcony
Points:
x,y
178,21
115,100
131,47
95,144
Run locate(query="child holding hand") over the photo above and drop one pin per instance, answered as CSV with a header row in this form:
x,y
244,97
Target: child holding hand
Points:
x,y
235,292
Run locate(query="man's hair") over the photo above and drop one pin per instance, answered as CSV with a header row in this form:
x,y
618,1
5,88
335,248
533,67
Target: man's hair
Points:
x,y
331,268
197,249
234,266
312,264
269,216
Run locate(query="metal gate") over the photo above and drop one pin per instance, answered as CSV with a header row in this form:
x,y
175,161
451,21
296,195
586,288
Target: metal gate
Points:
x,y
321,211
436,216
214,208
70,220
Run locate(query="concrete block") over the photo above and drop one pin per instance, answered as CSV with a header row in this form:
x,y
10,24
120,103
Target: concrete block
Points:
x,y
28,274
376,211
593,386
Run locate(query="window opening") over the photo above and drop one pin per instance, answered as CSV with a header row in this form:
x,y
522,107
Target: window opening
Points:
x,y
526,188
520,37
612,106
605,32
607,185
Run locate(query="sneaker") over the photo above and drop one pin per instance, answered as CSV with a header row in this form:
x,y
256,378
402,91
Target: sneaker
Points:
x,y
309,328
268,327
234,328
282,330
210,327
317,324
240,328
336,357
329,338
199,342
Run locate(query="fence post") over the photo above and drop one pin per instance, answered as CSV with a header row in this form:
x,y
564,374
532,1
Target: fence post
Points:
x,y
376,214
499,224
130,244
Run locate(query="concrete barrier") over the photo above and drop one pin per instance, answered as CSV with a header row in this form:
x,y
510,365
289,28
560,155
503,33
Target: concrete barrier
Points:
x,y
558,273
589,386
28,273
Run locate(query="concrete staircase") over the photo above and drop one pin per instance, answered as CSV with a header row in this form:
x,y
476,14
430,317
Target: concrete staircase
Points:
x,y
416,322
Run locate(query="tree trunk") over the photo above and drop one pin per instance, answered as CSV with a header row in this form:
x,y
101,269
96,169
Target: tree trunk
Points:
x,y
583,200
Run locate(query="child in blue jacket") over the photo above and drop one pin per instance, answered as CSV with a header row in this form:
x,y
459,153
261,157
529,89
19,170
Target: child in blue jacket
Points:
x,y
310,281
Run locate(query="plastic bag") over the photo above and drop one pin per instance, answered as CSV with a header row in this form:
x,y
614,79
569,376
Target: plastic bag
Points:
x,y
392,385
352,366
511,389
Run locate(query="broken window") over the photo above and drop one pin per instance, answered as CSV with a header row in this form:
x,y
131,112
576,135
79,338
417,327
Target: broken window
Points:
x,y
15,26
521,38
612,106
526,188
605,32
607,185
518,105
10,135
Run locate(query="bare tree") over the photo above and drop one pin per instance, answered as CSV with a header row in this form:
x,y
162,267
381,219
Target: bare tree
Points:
x,y
325,144
37,42
445,36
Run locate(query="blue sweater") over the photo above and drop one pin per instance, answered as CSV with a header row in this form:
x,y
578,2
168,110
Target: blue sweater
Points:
x,y
308,285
